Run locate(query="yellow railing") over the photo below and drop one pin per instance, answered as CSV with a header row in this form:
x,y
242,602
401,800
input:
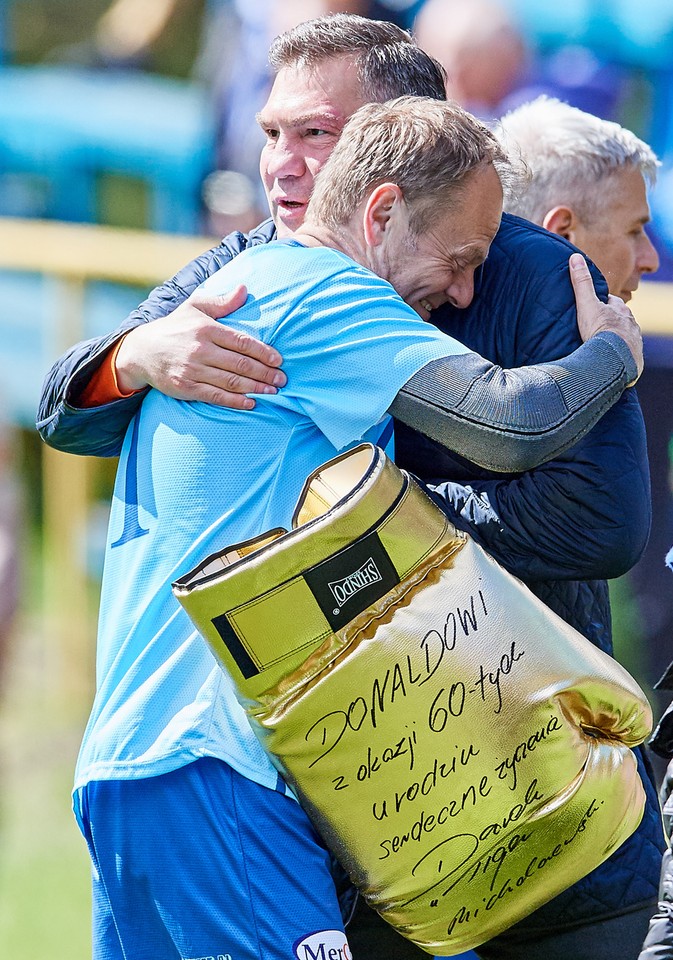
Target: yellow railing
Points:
x,y
73,254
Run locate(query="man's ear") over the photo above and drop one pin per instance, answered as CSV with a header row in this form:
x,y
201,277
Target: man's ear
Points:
x,y
384,207
562,221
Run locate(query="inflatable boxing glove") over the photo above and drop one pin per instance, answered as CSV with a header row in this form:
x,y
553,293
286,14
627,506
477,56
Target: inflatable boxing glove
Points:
x,y
463,751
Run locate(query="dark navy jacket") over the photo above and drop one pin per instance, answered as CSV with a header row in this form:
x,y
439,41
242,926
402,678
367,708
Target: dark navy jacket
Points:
x,y
585,515
564,527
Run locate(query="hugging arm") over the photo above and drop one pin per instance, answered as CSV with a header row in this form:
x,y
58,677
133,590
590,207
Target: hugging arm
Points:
x,y
512,420
64,423
99,431
586,514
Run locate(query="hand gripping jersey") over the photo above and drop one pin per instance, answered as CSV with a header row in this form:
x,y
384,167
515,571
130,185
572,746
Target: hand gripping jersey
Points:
x,y
463,751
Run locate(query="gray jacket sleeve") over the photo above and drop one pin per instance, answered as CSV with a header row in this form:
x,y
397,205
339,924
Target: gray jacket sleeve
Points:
x,y
513,420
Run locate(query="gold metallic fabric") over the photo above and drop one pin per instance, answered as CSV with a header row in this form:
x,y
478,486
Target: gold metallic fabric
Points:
x,y
463,751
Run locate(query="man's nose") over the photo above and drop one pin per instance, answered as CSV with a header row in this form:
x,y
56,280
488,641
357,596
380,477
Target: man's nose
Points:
x,y
461,290
284,160
648,258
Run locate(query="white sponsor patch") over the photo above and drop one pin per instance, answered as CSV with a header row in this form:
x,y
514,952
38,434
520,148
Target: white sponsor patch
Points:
x,y
323,945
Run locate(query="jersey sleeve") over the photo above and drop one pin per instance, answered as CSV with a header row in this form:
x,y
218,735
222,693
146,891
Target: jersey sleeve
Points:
x,y
349,351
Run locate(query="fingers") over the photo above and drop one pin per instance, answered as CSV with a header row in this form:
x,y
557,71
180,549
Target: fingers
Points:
x,y
594,316
620,305
190,355
219,306
239,346
583,284
585,292
243,355
231,370
207,393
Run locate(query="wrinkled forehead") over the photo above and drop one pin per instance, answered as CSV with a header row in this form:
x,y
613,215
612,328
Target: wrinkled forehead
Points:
x,y
329,88
474,207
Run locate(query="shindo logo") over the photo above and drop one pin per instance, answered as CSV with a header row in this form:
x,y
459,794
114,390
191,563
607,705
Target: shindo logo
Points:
x,y
347,587
323,945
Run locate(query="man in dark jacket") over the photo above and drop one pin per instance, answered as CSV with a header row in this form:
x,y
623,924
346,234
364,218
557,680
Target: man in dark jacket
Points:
x,y
585,516
588,185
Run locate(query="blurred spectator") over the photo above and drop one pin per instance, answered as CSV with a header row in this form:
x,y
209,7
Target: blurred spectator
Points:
x,y
129,28
401,12
587,79
233,64
151,35
481,48
494,65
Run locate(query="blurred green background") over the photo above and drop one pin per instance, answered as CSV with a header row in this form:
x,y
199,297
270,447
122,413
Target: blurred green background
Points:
x,y
46,31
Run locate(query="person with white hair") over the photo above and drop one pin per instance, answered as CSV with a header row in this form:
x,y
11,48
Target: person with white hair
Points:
x,y
587,182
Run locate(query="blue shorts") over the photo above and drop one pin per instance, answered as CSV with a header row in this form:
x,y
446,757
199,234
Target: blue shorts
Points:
x,y
204,863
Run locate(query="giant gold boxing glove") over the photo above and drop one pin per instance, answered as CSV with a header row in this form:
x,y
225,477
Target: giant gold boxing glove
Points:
x,y
462,750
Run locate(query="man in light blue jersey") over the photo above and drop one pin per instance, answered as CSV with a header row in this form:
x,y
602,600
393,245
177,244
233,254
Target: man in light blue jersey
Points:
x,y
198,849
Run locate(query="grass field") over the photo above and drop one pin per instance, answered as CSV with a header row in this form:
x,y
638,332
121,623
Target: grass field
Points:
x,y
44,865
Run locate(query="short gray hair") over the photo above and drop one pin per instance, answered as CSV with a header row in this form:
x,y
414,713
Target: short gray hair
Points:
x,y
388,61
427,147
567,152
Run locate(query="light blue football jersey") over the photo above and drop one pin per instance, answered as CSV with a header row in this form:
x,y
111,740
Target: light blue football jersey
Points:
x,y
194,478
